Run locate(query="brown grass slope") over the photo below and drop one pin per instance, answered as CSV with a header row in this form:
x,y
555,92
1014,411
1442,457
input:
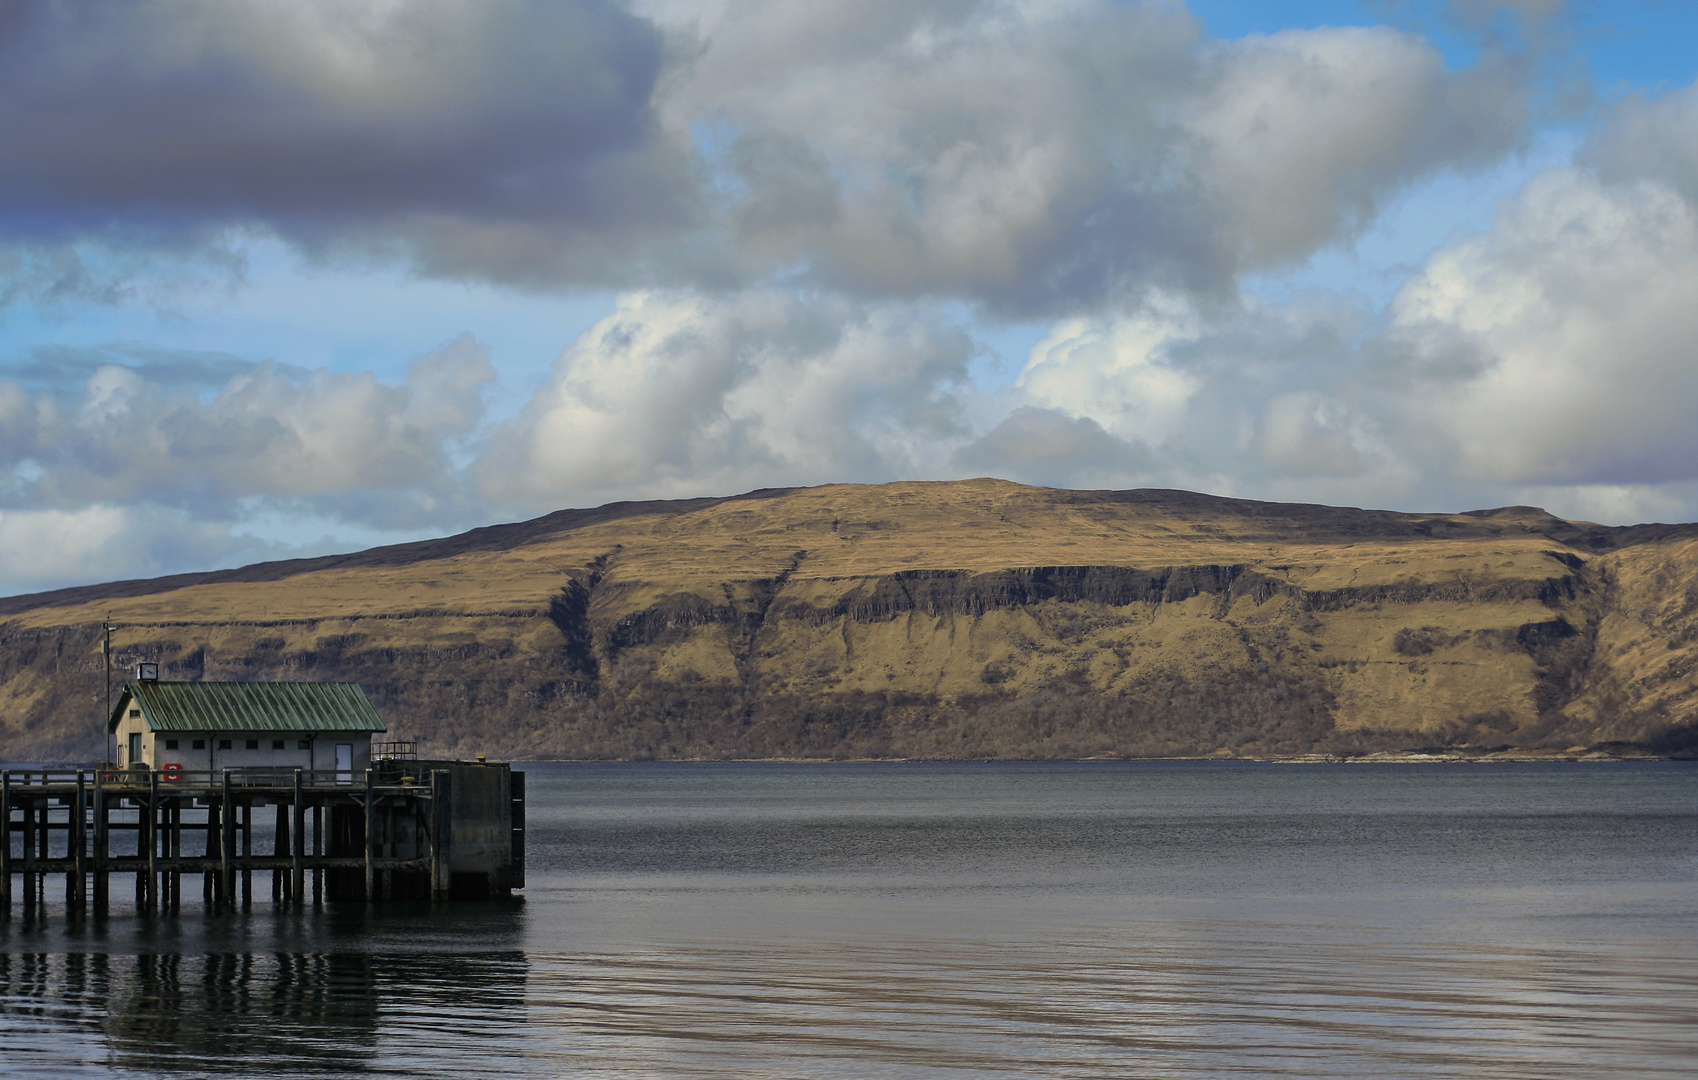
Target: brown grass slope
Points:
x,y
973,619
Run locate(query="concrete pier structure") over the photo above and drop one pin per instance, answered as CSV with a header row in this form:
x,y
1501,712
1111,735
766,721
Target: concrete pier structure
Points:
x,y
399,830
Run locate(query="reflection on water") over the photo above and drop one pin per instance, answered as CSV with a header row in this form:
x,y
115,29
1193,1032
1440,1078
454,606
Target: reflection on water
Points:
x,y
176,1013
951,922
1147,1010
190,1005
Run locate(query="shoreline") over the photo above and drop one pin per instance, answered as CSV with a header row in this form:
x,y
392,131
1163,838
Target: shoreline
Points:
x,y
1386,757
1460,756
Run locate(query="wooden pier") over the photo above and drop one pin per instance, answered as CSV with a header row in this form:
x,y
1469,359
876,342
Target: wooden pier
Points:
x,y
419,830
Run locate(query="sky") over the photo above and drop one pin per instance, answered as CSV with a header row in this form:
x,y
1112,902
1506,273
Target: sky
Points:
x,y
282,280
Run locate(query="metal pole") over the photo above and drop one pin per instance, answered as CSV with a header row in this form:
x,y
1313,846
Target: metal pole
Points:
x,y
106,650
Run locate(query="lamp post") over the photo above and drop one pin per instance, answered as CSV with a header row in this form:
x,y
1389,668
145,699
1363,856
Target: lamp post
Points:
x,y
106,628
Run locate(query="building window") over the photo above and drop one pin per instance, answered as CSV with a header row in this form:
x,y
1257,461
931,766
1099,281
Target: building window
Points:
x,y
135,713
199,744
223,744
253,744
304,744
277,744
170,744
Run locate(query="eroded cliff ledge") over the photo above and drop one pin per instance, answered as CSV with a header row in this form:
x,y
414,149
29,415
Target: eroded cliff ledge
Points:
x,y
969,619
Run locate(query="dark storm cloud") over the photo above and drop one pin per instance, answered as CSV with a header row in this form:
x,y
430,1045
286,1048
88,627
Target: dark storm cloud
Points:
x,y
445,132
1036,158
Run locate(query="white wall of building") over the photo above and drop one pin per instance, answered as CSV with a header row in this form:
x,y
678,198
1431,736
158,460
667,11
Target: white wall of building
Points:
x,y
209,751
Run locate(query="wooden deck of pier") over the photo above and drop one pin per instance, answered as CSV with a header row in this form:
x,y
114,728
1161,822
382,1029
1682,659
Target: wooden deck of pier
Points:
x,y
402,830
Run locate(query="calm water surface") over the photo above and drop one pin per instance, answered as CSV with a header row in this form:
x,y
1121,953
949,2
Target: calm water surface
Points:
x,y
945,921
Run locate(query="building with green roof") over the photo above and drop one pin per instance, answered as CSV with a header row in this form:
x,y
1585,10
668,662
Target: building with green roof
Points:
x,y
197,726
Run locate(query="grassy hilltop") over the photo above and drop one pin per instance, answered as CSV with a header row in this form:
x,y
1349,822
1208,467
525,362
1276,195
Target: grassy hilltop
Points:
x,y
966,619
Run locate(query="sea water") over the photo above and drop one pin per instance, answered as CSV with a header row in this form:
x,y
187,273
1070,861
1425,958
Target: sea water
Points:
x,y
943,921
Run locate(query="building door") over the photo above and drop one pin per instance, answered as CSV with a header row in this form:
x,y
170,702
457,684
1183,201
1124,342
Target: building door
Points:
x,y
344,763
135,749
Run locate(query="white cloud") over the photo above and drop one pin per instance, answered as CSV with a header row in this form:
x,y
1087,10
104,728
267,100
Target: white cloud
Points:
x,y
1043,156
1559,347
1305,131
684,392
820,204
44,549
1308,434
1117,372
1650,139
267,431
1551,355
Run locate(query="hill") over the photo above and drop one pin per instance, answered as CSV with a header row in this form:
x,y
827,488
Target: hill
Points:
x,y
963,619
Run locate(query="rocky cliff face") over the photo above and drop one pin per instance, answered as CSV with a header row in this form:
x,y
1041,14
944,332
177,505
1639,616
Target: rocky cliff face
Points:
x,y
971,619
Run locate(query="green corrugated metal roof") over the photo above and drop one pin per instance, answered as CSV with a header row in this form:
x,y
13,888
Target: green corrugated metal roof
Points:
x,y
253,706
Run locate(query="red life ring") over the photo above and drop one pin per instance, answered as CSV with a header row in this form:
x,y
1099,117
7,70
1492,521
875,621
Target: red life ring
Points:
x,y
171,772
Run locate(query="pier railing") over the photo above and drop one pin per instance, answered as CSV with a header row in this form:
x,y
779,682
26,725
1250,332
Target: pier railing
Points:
x,y
385,774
